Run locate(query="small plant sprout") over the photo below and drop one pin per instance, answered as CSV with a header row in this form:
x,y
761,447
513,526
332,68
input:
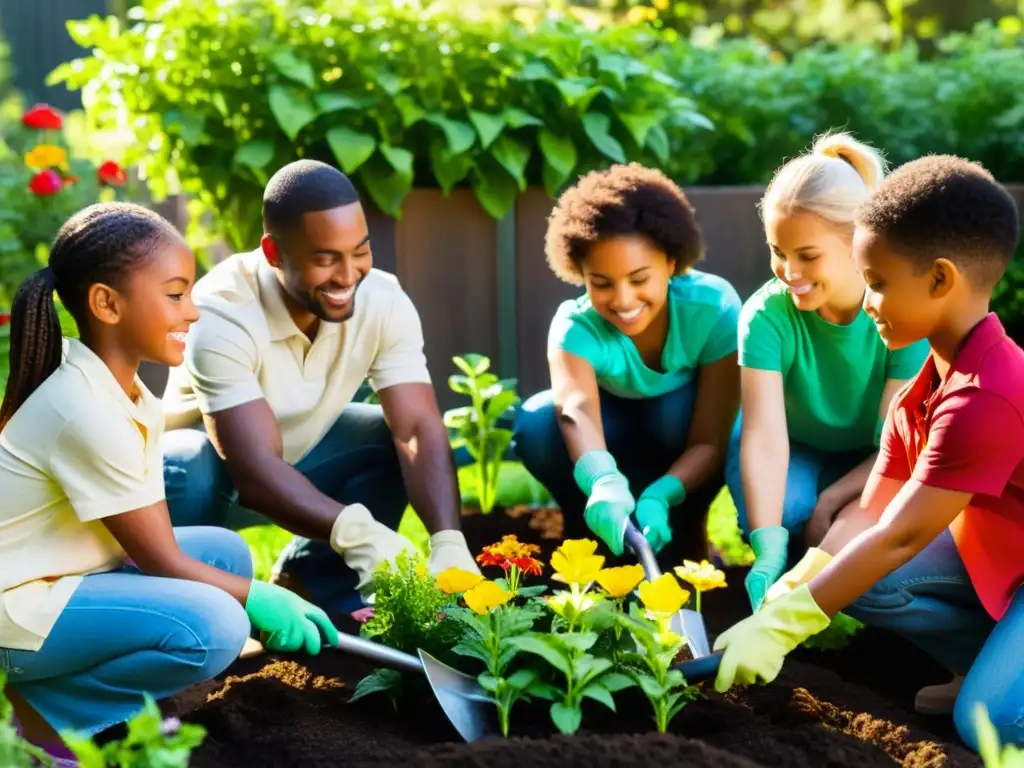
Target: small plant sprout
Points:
x,y
652,665
516,559
702,576
575,563
476,423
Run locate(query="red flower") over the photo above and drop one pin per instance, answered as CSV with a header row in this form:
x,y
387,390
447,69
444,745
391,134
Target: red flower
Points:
x,y
46,183
4,319
111,174
43,117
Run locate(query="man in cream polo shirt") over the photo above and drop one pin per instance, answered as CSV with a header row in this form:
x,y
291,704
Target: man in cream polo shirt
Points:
x,y
260,416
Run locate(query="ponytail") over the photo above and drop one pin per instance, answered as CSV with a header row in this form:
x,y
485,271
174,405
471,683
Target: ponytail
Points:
x,y
36,344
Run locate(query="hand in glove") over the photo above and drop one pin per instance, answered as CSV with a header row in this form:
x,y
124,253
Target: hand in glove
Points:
x,y
810,565
771,546
448,549
609,502
290,622
364,543
652,510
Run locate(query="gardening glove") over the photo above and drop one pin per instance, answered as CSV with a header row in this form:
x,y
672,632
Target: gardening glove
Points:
x,y
609,502
364,543
770,545
448,549
652,510
755,648
290,622
810,565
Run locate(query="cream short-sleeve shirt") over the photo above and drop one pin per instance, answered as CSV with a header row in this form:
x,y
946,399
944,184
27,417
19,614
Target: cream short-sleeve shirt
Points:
x,y
245,347
77,451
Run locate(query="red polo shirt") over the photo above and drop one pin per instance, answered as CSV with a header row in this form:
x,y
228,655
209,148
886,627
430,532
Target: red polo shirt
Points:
x,y
966,434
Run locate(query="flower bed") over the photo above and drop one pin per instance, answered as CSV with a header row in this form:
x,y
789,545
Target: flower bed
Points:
x,y
850,706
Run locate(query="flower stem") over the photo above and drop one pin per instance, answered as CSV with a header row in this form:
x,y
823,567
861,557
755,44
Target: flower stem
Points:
x,y
698,600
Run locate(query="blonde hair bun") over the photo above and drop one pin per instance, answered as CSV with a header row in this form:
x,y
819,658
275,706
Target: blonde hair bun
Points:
x,y
866,161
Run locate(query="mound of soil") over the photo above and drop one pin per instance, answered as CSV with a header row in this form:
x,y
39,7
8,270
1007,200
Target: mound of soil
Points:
x,y
849,707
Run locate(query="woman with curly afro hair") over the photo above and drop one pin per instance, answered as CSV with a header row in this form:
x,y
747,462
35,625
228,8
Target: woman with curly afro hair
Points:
x,y
645,383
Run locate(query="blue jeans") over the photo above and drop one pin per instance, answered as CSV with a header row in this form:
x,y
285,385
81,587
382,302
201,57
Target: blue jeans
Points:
x,y
123,634
930,601
355,462
645,436
810,472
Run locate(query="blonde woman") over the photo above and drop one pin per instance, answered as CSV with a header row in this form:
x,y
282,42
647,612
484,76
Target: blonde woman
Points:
x,y
816,378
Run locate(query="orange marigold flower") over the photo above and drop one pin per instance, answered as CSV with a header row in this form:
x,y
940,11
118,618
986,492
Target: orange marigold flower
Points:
x,y
507,551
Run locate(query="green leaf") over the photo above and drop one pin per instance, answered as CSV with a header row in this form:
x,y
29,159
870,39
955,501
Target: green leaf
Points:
x,y
495,189
472,364
616,681
639,124
472,651
488,682
391,83
487,126
291,108
599,693
545,646
448,169
542,689
590,667
580,642
513,156
460,384
400,159
380,681
410,111
597,127
388,186
566,719
188,125
350,148
255,154
460,135
559,152
657,141
336,102
552,180
499,404
535,70
518,118
522,679
291,66
651,687
577,91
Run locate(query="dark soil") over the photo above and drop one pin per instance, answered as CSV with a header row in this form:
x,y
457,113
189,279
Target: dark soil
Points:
x,y
850,707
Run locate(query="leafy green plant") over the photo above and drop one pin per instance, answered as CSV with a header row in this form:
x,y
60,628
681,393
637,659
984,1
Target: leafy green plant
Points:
x,y
15,752
836,635
992,755
476,424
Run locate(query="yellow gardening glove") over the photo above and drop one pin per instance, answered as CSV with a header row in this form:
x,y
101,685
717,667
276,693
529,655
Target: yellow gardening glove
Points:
x,y
364,543
810,565
448,549
756,647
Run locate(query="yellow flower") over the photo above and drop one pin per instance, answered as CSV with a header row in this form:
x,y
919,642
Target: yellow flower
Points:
x,y
485,597
47,156
702,576
619,582
661,5
454,580
663,596
575,562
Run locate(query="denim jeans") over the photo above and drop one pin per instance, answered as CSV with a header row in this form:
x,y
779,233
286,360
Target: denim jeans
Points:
x,y
810,472
646,436
930,601
355,462
123,634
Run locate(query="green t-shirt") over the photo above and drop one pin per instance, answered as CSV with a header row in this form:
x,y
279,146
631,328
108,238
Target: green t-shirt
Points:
x,y
833,375
703,311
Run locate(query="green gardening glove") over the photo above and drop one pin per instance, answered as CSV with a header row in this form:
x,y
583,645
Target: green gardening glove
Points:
x,y
755,648
771,546
289,621
609,502
652,510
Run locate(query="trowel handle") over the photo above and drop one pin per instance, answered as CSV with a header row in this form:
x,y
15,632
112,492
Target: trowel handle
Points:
x,y
389,657
636,541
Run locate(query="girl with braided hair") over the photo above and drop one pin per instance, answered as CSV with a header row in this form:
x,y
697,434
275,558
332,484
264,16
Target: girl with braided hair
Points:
x,y
101,600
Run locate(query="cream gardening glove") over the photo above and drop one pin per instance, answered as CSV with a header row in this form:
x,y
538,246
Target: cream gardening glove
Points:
x,y
810,565
449,548
364,543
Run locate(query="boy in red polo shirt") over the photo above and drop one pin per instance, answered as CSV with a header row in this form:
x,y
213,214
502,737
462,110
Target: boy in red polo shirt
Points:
x,y
936,551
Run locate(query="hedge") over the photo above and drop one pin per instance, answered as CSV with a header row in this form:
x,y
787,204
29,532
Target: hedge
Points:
x,y
399,95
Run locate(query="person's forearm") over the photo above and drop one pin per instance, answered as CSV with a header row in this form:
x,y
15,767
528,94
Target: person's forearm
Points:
x,y
271,486
850,485
852,521
579,427
764,461
428,470
697,464
190,569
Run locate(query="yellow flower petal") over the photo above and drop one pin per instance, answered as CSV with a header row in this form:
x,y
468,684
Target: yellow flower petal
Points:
x,y
485,597
619,582
46,156
455,580
575,562
701,576
663,596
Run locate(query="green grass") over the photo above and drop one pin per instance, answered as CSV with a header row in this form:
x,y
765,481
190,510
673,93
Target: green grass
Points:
x,y
515,486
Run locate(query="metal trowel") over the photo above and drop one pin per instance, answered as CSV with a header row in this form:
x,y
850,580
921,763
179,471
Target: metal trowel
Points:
x,y
687,623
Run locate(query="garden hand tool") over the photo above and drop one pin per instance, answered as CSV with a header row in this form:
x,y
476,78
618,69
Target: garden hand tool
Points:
x,y
686,623
467,706
771,547
754,649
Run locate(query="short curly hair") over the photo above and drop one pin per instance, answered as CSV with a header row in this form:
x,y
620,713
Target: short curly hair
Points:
x,y
943,206
620,201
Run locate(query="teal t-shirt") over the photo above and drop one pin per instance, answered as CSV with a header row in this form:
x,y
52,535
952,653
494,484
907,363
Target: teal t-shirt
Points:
x,y
833,375
703,314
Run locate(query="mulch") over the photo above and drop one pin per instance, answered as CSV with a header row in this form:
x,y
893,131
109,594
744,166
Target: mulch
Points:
x,y
846,707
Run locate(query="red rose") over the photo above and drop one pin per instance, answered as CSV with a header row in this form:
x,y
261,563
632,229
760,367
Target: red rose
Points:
x,y
44,118
46,183
111,174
